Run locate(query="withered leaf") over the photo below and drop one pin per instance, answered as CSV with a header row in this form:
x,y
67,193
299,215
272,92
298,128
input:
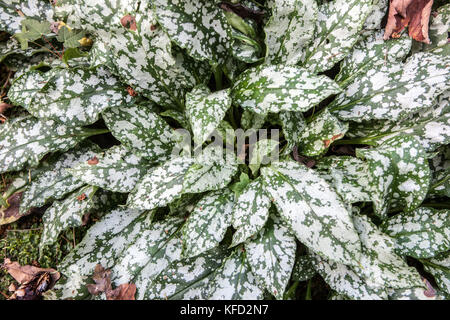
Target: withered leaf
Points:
x,y
102,279
414,14
93,161
129,22
33,280
11,214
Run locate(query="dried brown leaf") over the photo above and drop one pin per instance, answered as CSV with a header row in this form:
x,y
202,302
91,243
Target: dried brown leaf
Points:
x,y
414,14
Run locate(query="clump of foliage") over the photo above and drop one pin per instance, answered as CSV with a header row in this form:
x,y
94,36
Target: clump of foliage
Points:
x,y
354,205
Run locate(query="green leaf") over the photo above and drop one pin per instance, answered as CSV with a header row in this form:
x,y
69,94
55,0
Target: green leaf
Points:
x,y
70,38
271,256
399,174
205,110
207,224
346,281
54,182
275,88
188,279
439,267
372,52
393,91
381,266
337,29
74,97
234,280
262,152
250,212
67,213
161,185
289,30
72,53
117,169
375,18
314,212
212,169
25,141
421,233
199,26
320,133
141,130
416,294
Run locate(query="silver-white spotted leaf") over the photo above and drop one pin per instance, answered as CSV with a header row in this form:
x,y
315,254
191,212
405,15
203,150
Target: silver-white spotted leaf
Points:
x,y
161,185
399,173
313,210
394,91
67,213
289,30
117,169
337,29
188,279
275,88
346,281
208,222
271,256
55,182
74,97
422,233
250,212
199,26
381,265
320,133
205,110
234,280
141,130
27,140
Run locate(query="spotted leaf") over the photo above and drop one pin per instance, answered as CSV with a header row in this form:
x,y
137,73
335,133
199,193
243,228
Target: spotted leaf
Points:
x,y
205,110
161,185
271,256
312,209
275,88
27,140
337,29
289,30
54,181
394,91
421,233
117,169
208,222
234,280
141,130
198,26
74,97
250,212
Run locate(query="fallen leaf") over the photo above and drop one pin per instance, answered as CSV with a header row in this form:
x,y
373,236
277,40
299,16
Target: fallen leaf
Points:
x,y
81,197
414,14
11,214
129,22
33,280
93,161
102,279
125,291
4,106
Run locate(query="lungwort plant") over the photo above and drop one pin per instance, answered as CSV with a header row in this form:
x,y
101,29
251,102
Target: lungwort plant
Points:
x,y
232,150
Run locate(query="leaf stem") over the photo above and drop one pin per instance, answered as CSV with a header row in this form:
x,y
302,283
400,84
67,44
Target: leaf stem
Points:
x,y
308,290
218,73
